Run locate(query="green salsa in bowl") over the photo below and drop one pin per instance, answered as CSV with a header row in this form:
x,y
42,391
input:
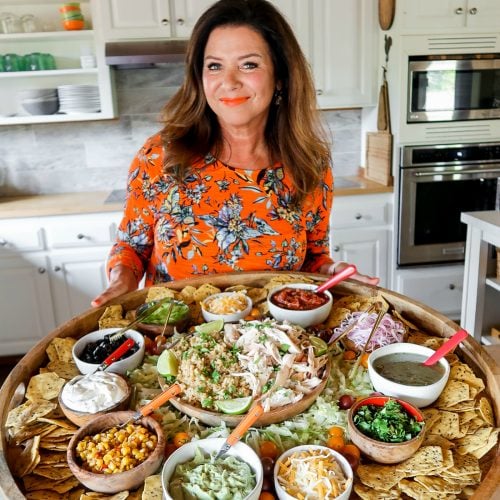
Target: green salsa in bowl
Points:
x,y
171,314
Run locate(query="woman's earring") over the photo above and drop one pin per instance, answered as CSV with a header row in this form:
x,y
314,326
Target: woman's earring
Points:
x,y
278,97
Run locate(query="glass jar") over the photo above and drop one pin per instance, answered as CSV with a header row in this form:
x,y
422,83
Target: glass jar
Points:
x,y
10,23
29,23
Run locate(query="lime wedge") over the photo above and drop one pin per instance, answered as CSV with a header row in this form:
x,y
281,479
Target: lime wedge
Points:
x,y
210,327
234,406
319,345
167,364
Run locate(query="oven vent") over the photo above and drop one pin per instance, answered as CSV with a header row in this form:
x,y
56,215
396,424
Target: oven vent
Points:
x,y
446,132
459,43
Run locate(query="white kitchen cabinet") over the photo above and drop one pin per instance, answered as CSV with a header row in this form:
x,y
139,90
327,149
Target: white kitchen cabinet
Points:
x,y
437,287
66,47
458,14
150,19
50,270
360,233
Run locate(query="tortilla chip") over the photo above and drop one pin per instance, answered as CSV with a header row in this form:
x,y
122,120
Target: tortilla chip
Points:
x,y
25,460
28,412
336,316
44,386
379,477
56,473
187,294
32,482
65,485
92,495
52,458
447,426
367,493
492,441
51,352
452,358
463,406
205,291
471,442
257,294
464,465
436,484
486,411
59,422
64,369
43,495
64,347
448,460
20,434
152,488
419,492
437,440
158,293
136,495
455,391
423,461
475,424
431,416
76,494
463,372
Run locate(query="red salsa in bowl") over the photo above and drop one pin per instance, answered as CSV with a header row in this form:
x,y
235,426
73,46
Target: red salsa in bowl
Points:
x,y
298,299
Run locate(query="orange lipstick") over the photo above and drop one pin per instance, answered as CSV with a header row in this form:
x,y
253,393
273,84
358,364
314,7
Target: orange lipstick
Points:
x,y
234,101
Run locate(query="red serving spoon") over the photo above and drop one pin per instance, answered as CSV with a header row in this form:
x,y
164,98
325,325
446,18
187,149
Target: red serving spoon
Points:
x,y
337,278
452,342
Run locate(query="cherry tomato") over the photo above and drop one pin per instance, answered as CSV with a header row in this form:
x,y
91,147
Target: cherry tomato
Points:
x,y
268,449
352,459
364,360
169,449
349,355
336,431
345,402
181,438
253,314
336,443
265,495
267,466
149,345
351,449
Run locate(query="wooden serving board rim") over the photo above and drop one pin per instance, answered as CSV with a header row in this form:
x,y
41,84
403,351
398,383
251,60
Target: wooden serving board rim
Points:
x,y
12,391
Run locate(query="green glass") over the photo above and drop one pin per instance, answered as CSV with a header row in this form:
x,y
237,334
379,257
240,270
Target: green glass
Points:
x,y
13,62
2,64
47,62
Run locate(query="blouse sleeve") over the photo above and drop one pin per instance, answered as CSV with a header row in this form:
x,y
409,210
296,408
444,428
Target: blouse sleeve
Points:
x,y
318,225
135,235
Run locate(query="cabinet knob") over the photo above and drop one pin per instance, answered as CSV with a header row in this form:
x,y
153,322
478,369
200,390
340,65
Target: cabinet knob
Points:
x,y
473,11
3,243
57,268
358,216
459,11
164,22
180,21
336,248
319,91
451,286
41,270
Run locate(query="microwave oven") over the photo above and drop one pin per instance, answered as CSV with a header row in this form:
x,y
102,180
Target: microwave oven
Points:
x,y
445,88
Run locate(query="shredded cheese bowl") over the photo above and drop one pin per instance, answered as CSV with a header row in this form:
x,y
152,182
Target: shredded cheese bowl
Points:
x,y
310,471
228,306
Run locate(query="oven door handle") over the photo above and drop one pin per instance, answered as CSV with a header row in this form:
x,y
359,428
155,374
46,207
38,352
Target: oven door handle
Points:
x,y
432,174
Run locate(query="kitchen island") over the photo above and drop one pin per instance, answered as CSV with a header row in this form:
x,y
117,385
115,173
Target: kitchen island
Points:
x,y
481,291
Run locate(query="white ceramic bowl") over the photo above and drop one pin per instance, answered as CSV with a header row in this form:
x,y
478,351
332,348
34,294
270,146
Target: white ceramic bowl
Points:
x,y
344,464
186,453
418,396
303,318
120,366
227,318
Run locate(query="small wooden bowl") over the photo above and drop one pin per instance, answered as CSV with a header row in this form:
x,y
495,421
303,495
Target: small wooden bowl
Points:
x,y
81,418
128,480
380,451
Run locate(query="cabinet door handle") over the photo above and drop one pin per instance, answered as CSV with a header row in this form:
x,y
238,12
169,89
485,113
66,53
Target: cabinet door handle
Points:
x,y
319,91
3,243
358,216
459,11
336,248
473,11
41,270
57,268
81,236
451,286
180,21
164,22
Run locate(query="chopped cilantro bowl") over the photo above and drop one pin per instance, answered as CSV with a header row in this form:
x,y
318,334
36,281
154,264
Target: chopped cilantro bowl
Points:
x,y
389,423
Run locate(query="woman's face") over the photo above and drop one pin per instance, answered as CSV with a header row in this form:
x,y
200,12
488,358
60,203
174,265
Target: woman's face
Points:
x,y
238,77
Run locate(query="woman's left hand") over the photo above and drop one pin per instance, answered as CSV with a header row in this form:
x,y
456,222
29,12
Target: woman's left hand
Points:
x,y
339,266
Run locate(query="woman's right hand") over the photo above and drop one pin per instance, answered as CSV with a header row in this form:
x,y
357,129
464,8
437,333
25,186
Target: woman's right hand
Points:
x,y
121,280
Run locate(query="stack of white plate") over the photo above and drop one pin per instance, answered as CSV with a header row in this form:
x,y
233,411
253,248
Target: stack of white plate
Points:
x,y
78,99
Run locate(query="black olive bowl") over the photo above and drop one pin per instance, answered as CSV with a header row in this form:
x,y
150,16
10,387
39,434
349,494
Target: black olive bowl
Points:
x,y
127,362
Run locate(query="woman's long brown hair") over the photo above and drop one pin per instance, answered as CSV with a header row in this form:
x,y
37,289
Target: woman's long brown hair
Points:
x,y
294,132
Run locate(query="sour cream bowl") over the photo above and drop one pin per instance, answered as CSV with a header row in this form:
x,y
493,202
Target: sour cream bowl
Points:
x,y
302,315
209,446
418,395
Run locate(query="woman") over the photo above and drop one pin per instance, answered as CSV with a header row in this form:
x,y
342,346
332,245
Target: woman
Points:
x,y
239,178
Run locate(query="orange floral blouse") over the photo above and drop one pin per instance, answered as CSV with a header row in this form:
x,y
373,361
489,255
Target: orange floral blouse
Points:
x,y
219,219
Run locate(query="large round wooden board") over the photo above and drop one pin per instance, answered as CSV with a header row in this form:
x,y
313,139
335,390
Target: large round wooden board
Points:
x,y
273,416
470,351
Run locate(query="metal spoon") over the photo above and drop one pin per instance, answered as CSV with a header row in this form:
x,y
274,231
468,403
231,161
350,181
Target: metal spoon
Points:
x,y
337,278
447,346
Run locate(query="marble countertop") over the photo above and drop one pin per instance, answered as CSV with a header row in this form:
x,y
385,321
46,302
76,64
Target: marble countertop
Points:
x,y
112,201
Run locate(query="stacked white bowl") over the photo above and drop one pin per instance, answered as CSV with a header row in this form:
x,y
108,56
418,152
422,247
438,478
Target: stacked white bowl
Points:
x,y
39,101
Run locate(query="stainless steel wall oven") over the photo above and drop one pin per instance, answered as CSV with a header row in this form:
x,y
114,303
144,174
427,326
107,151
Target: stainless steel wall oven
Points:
x,y
437,183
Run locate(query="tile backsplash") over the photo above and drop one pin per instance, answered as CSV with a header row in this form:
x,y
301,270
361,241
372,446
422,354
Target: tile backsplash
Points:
x,y
95,156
